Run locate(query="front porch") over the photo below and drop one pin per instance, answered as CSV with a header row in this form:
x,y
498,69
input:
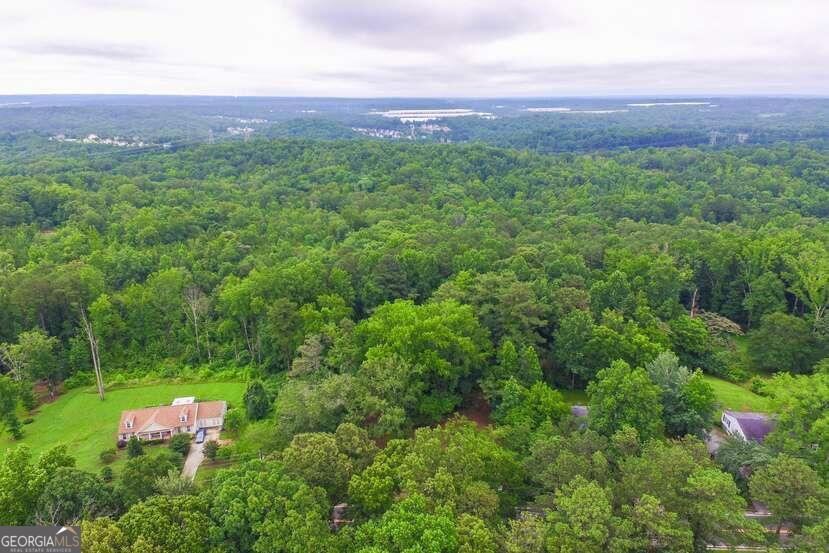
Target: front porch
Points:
x,y
157,435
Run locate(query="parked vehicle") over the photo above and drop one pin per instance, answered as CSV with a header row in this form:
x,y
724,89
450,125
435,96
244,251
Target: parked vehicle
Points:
x,y
201,433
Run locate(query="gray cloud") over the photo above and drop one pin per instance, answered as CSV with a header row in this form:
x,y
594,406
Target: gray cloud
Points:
x,y
110,52
415,47
115,4
427,24
623,78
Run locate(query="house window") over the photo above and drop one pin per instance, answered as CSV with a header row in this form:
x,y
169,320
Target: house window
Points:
x,y
183,418
129,424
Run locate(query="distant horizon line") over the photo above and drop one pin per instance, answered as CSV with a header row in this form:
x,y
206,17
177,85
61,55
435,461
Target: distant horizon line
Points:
x,y
398,97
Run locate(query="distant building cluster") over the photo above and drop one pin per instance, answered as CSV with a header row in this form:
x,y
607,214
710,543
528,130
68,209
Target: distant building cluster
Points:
x,y
420,115
240,130
380,133
252,121
432,128
414,132
121,142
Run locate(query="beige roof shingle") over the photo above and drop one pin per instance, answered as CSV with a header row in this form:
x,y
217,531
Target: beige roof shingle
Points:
x,y
169,416
211,409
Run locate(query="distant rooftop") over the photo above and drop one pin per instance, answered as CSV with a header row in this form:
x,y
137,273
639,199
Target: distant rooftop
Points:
x,y
579,410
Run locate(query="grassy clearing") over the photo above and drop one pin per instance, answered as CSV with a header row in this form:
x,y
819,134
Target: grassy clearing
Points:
x,y
121,458
741,347
574,397
88,426
207,471
736,397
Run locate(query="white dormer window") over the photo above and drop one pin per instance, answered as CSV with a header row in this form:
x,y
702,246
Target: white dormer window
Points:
x,y
129,424
182,417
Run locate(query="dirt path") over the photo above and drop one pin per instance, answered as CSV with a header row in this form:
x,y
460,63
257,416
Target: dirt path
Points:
x,y
714,439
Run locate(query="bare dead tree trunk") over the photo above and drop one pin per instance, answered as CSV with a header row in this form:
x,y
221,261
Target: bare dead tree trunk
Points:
x,y
247,339
252,343
820,311
694,303
196,332
93,348
12,359
197,310
196,307
51,517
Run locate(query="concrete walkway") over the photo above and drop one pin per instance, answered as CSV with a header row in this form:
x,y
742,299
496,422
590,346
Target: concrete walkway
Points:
x,y
196,454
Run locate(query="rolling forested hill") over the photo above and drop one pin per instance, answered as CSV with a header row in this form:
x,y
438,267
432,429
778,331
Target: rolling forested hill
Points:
x,y
377,295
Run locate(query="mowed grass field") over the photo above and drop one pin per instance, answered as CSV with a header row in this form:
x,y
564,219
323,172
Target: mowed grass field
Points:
x,y
88,425
736,397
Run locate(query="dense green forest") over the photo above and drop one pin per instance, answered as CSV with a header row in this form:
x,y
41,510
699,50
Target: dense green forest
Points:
x,y
411,319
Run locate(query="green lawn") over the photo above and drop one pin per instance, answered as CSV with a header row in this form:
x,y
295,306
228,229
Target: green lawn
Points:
x,y
88,425
574,397
736,397
207,471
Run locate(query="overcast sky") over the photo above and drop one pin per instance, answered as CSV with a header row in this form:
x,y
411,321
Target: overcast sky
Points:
x,y
415,48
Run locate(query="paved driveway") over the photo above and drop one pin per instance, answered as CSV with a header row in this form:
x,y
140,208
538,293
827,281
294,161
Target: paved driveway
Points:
x,y
196,454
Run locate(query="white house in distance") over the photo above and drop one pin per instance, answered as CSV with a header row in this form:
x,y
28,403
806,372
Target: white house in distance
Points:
x,y
746,425
184,415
